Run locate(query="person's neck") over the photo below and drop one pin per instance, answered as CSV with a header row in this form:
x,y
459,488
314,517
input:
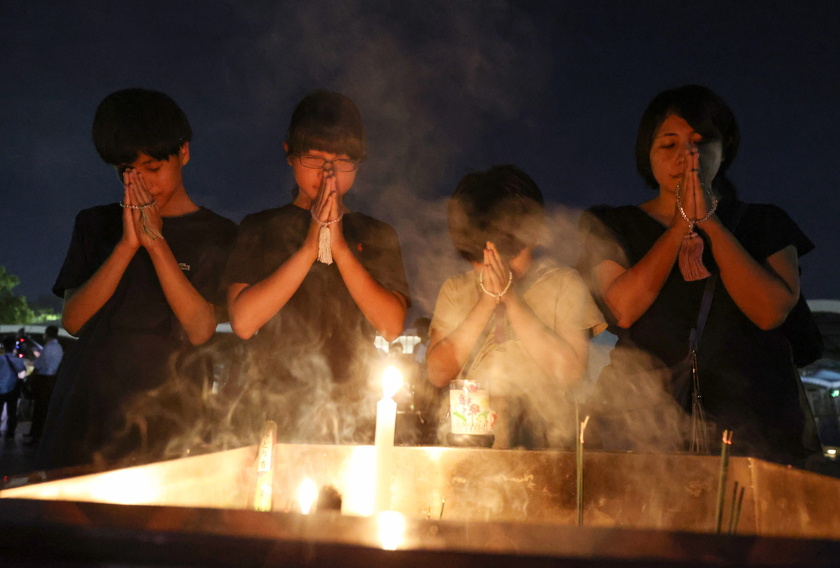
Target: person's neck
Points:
x,y
302,201
661,207
179,204
521,263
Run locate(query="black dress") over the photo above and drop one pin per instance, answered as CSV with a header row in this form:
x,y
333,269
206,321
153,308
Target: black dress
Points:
x,y
123,349
314,362
748,381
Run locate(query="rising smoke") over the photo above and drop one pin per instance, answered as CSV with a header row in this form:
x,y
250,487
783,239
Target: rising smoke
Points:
x,y
424,76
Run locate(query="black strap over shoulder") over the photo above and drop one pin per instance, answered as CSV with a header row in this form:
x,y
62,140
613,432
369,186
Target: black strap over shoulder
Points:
x,y
703,315
709,291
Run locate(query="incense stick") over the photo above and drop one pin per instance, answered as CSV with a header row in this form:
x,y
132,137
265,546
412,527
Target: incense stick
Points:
x,y
724,467
732,507
442,505
737,506
579,456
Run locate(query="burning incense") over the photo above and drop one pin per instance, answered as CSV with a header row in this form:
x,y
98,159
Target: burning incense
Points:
x,y
724,467
265,468
386,417
579,455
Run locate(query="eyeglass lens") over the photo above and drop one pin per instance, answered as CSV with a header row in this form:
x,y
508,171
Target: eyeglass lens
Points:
x,y
317,162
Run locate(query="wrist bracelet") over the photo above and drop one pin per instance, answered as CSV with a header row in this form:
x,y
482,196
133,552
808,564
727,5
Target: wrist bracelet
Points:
x,y
326,223
324,246
138,207
709,213
500,294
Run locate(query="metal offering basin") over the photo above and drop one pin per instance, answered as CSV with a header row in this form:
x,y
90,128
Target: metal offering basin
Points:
x,y
467,503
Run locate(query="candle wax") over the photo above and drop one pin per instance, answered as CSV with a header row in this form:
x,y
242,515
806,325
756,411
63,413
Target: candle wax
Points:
x,y
386,417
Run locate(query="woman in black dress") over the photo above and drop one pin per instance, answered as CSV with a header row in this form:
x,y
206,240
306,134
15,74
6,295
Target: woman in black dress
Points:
x,y
652,277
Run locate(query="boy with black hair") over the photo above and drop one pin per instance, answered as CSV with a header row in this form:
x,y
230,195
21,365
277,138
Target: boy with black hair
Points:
x,y
516,320
140,279
317,282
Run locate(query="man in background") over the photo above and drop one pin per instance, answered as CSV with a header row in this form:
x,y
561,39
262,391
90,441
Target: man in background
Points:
x,y
42,382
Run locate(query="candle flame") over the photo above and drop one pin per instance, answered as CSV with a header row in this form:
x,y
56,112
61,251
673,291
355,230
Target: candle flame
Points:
x,y
126,487
391,529
391,381
307,495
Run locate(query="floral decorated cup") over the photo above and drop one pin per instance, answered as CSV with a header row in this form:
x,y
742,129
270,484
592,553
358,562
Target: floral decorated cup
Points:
x,y
469,408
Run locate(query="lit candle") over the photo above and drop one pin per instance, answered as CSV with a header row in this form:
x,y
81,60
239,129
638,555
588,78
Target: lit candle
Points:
x,y
386,418
307,495
391,529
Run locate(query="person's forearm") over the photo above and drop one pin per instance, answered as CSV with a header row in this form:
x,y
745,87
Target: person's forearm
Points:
x,y
82,303
195,314
765,294
446,355
383,308
563,357
633,291
251,306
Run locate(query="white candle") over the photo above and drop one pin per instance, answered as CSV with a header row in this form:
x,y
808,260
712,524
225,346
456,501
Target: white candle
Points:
x,y
386,418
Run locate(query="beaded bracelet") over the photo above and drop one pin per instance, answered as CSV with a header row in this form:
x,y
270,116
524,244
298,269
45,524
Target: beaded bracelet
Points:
x,y
500,294
148,230
324,249
326,223
709,213
138,207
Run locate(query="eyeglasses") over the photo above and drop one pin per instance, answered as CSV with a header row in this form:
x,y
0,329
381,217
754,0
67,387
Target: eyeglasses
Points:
x,y
319,163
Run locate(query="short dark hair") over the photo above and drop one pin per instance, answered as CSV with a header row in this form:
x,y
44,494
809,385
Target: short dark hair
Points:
x,y
502,205
705,111
134,121
327,121
51,331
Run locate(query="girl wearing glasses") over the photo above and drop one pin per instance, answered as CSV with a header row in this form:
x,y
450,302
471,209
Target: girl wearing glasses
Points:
x,y
311,283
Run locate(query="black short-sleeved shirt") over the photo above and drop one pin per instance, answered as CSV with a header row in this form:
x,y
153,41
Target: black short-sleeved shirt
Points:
x,y
748,380
123,349
319,343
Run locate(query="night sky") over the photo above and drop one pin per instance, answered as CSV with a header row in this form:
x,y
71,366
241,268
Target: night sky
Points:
x,y
444,87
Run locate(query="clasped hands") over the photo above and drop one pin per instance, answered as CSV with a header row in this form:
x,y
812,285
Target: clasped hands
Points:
x,y
142,222
494,276
327,209
696,202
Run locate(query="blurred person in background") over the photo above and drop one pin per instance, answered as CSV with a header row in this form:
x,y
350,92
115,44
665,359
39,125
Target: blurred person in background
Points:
x,y
12,372
42,382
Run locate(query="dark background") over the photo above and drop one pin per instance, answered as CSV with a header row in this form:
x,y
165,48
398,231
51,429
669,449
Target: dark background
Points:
x,y
444,87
